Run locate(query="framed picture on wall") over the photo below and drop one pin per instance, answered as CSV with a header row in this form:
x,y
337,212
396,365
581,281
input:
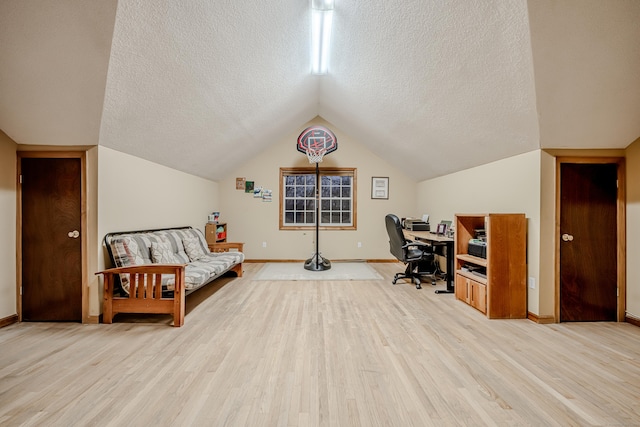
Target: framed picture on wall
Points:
x,y
240,183
380,187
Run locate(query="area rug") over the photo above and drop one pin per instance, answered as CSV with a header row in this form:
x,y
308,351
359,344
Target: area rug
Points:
x,y
338,271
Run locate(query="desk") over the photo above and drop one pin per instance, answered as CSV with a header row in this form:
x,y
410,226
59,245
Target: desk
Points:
x,y
437,240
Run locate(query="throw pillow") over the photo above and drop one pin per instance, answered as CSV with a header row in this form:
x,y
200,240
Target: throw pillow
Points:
x,y
121,253
193,248
125,253
162,253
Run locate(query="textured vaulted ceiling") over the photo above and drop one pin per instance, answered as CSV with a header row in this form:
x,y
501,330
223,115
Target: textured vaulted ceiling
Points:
x,y
433,86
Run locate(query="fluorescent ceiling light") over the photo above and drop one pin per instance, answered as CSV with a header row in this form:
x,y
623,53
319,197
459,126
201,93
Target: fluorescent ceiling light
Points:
x,y
321,19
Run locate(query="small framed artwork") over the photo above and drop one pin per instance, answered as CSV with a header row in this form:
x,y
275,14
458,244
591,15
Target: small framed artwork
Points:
x,y
380,187
442,228
248,186
240,183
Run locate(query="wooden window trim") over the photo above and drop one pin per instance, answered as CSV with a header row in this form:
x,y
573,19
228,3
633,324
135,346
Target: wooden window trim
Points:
x,y
323,171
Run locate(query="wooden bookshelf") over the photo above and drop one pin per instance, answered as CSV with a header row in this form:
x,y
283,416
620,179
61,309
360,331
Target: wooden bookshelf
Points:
x,y
215,232
502,294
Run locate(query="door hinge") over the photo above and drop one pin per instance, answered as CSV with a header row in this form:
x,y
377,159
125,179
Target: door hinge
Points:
x,y
20,179
20,290
617,292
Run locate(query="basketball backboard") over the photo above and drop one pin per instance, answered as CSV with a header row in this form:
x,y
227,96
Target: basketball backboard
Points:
x,y
316,141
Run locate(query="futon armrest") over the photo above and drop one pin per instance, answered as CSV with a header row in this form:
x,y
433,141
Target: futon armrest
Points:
x,y
145,291
145,269
226,246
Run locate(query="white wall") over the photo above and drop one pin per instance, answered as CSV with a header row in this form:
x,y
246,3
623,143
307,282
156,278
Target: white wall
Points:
x,y
94,258
8,190
135,194
506,186
547,237
633,229
253,221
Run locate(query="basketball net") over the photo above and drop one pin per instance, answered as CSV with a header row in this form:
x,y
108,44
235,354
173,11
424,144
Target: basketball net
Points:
x,y
315,156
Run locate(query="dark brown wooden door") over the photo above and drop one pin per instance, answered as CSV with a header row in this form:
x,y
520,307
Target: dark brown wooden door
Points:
x,y
51,244
588,242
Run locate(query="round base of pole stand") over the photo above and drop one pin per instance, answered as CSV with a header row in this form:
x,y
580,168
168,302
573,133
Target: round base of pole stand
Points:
x,y
317,263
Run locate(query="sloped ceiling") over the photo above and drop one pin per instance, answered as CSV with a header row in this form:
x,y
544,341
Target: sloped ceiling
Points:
x,y
587,66
54,57
433,86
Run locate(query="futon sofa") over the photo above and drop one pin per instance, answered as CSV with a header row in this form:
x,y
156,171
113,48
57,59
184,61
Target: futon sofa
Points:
x,y
153,270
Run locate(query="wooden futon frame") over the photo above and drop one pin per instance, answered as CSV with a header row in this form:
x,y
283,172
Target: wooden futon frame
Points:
x,y
144,296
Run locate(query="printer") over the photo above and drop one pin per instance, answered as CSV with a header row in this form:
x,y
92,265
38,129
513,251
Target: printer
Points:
x,y
415,224
477,248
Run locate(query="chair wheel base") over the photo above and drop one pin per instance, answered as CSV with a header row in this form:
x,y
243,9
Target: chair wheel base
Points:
x,y
414,279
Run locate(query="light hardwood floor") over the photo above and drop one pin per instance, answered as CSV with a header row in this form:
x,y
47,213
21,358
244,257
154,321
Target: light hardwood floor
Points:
x,y
336,353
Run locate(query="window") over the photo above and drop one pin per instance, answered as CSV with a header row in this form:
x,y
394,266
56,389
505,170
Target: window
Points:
x,y
298,198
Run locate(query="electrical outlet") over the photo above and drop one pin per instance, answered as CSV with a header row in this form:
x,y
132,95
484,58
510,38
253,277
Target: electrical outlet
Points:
x,y
264,244
532,282
359,244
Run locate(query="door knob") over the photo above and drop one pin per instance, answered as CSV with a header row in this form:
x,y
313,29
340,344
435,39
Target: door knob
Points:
x,y
567,237
74,234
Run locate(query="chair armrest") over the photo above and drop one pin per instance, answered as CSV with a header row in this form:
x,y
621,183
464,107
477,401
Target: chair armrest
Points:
x,y
423,248
416,243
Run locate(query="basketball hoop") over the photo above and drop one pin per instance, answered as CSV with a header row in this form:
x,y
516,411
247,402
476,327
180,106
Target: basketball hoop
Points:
x,y
315,142
315,156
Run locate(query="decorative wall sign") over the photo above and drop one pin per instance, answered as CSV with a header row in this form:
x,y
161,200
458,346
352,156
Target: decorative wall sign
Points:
x,y
379,187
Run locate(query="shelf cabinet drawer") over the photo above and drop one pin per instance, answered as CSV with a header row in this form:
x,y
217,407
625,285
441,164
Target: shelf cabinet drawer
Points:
x,y
462,288
471,292
478,296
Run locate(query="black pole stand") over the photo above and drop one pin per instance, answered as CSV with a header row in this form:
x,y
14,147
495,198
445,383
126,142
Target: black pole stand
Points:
x,y
317,262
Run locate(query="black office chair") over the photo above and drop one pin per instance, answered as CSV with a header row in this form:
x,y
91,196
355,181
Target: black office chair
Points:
x,y
418,256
